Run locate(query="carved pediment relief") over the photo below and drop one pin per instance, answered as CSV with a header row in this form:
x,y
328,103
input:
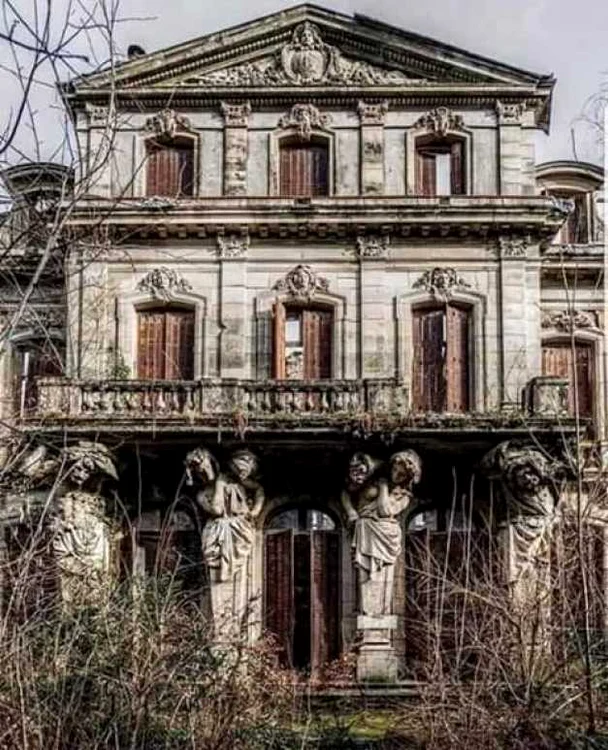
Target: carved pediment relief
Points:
x,y
304,61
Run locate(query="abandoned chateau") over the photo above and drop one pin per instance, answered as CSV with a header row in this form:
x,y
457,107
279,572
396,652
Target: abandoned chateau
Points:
x,y
316,333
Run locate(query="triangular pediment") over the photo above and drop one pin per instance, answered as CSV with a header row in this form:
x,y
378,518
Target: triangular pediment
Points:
x,y
311,47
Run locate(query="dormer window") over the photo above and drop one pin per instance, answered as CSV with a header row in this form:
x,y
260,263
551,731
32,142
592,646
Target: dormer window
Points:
x,y
170,167
439,166
303,167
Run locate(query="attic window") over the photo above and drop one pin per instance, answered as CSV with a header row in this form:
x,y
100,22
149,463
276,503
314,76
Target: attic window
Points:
x,y
440,167
170,167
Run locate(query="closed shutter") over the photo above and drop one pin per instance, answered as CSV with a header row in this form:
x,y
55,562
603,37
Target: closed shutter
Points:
x,y
279,593
278,341
170,170
325,591
456,168
426,178
558,361
317,335
428,379
457,359
165,345
303,170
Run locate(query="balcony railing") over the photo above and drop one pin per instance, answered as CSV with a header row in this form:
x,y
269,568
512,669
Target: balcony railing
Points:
x,y
62,398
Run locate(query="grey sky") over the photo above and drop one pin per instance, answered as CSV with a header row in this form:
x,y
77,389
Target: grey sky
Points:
x,y
546,36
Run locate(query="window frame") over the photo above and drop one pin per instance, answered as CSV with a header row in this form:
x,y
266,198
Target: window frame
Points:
x,y
165,310
274,150
279,339
152,139
415,136
565,341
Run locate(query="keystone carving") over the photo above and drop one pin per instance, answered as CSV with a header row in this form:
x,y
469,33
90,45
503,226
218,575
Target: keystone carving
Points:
x,y
304,118
163,284
167,123
302,283
440,121
441,282
306,60
569,320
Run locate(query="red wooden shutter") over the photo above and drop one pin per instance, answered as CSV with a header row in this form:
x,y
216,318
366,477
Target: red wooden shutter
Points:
x,y
426,179
150,348
428,378
558,361
325,595
317,336
457,168
303,169
170,170
278,341
319,170
179,345
457,359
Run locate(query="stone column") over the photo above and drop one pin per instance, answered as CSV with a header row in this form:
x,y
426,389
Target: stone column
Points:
x,y
514,317
372,147
372,253
511,148
236,118
232,300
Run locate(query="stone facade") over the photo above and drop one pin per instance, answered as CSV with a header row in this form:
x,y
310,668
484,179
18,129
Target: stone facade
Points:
x,y
373,253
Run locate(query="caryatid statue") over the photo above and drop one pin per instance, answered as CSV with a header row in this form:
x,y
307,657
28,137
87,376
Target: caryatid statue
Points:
x,y
527,479
81,532
232,500
372,503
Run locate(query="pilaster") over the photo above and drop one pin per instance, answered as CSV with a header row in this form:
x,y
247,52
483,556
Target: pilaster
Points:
x,y
372,118
372,253
236,147
511,148
232,252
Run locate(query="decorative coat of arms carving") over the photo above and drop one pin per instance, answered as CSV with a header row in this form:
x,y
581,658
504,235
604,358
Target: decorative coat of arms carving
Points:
x,y
302,283
304,118
441,282
305,61
163,284
440,121
167,123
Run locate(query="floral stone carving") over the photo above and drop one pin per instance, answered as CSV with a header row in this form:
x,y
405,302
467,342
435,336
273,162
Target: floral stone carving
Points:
x,y
167,123
163,284
302,283
441,282
304,118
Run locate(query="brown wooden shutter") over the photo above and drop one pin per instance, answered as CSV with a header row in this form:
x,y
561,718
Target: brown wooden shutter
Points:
x,y
325,595
457,359
557,360
170,170
457,168
428,378
278,341
179,345
150,354
426,178
317,337
303,169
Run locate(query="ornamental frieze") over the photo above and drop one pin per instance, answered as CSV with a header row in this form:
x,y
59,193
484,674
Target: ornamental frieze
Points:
x,y
302,283
441,282
306,60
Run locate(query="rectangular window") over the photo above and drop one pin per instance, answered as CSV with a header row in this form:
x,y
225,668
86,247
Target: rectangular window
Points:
x,y
440,377
302,343
576,365
303,169
439,168
165,345
170,169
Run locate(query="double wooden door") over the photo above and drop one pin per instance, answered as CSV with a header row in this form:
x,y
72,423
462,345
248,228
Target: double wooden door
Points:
x,y
302,595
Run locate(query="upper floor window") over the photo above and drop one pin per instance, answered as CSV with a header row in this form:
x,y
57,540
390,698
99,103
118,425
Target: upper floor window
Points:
x,y
575,363
303,167
441,361
36,358
302,343
439,166
165,344
170,167
576,228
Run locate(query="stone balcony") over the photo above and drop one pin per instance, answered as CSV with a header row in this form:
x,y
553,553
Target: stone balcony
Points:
x,y
329,406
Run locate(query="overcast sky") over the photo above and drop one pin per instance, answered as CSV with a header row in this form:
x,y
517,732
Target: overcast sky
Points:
x,y
563,37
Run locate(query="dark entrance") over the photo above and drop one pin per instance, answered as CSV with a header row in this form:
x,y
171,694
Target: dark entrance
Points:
x,y
302,587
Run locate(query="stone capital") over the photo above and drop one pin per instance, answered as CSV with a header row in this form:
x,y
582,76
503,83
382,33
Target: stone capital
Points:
x,y
236,115
372,114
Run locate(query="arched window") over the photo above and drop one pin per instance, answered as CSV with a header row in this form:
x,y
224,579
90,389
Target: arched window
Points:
x,y
303,167
165,344
170,167
302,342
575,363
441,358
440,168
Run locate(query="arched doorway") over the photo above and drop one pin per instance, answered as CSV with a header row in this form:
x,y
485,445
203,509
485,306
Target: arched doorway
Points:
x,y
302,586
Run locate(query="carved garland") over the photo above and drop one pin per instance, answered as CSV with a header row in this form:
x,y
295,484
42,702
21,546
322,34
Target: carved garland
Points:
x,y
441,282
302,283
163,284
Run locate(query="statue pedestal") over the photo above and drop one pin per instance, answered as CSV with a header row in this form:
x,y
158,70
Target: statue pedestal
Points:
x,y
376,660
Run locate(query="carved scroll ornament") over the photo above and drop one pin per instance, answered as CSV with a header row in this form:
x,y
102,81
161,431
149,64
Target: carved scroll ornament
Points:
x,y
304,118
302,283
167,123
441,282
163,284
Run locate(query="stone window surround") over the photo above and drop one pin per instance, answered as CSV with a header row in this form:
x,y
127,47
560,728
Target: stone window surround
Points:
x,y
127,307
264,302
140,161
596,339
274,147
404,306
412,135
